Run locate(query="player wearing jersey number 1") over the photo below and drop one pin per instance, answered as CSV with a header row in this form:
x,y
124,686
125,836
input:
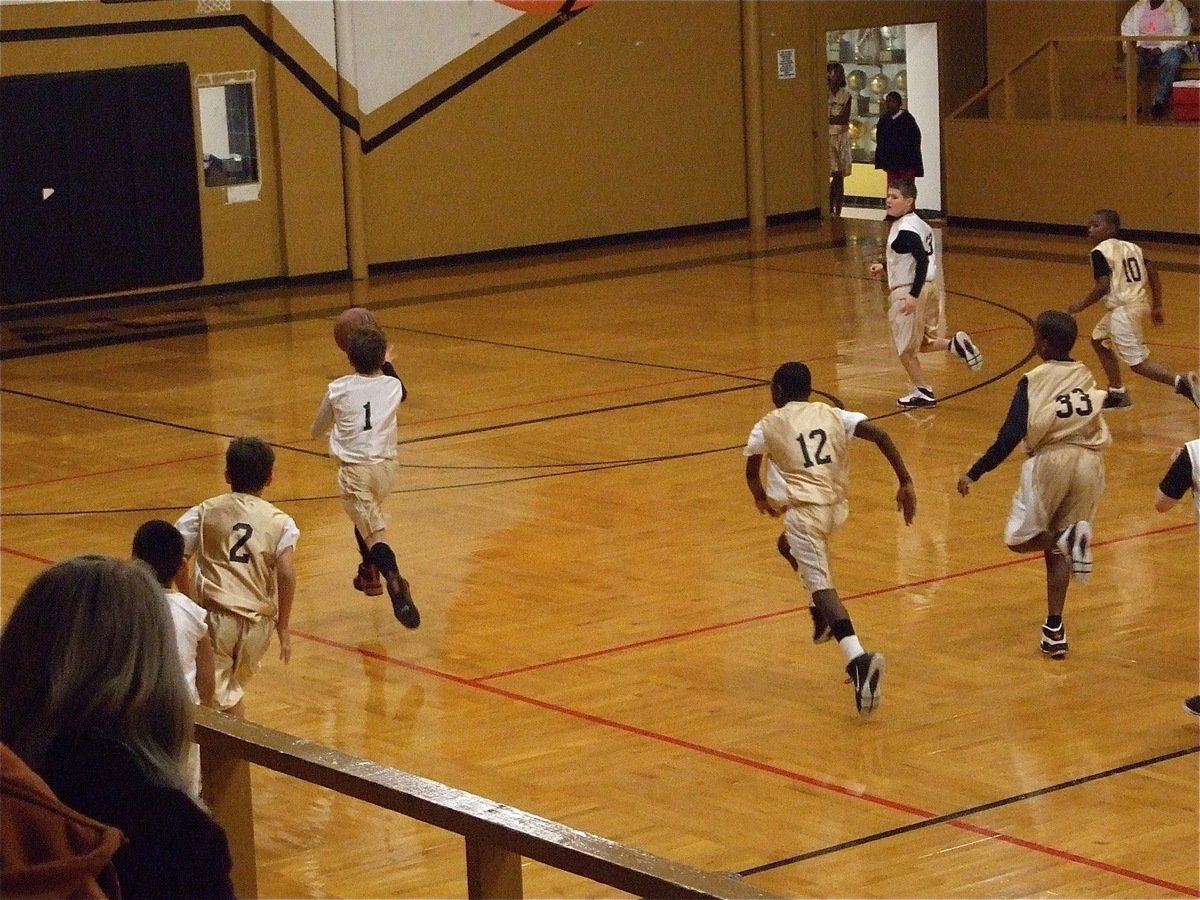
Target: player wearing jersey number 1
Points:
x,y
1129,285
359,414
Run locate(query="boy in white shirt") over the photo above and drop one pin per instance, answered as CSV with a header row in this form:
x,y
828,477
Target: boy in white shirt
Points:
x,y
160,546
914,296
359,414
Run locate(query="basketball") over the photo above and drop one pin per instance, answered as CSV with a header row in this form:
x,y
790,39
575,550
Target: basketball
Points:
x,y
347,321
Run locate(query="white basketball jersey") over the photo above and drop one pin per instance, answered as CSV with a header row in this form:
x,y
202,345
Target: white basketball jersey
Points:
x,y
807,445
1064,407
236,539
362,412
902,267
1127,282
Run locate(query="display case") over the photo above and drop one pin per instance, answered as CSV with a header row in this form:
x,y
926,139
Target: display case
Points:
x,y
875,63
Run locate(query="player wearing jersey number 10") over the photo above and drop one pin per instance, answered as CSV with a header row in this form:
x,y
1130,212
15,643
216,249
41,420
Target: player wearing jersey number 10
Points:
x,y
1129,285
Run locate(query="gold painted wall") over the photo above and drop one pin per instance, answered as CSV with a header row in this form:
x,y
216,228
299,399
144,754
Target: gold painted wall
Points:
x,y
296,225
1025,171
628,118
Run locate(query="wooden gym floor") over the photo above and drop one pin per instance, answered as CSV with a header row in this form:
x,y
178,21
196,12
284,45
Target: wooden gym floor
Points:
x,y
609,638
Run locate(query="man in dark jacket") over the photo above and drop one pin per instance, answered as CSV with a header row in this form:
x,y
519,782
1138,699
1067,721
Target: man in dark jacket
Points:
x,y
898,142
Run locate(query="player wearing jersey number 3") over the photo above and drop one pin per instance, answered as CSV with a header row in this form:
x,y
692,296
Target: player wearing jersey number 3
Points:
x,y
914,296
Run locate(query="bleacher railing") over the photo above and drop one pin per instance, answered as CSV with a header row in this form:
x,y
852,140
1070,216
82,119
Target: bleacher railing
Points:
x,y
1050,52
496,836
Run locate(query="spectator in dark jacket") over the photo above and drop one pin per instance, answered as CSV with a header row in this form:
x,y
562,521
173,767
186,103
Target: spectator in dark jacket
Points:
x,y
898,142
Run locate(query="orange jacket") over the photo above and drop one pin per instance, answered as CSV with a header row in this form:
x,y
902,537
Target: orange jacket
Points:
x,y
49,850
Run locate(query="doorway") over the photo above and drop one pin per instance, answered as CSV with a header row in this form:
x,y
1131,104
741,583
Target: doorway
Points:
x,y
878,60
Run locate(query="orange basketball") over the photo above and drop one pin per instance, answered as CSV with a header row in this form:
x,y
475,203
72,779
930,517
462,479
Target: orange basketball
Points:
x,y
347,321
547,7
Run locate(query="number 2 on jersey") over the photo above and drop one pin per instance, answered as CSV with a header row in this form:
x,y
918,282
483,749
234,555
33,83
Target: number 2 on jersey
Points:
x,y
236,553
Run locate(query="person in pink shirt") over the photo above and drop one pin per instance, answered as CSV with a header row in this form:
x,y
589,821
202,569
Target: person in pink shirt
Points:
x,y
1169,18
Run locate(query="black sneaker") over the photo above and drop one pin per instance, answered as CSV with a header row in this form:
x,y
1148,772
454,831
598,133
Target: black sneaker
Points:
x,y
1117,400
402,602
1192,705
964,348
821,630
865,670
1187,385
1158,109
920,398
1054,642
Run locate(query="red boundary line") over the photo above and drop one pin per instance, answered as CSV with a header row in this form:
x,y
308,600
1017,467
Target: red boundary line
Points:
x,y
165,462
792,610
767,768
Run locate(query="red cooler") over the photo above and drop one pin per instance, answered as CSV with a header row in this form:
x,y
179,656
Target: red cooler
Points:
x,y
1185,101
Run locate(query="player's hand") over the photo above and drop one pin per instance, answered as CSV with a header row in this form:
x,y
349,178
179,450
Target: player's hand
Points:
x,y
1156,315
906,501
964,485
876,268
908,305
285,644
764,506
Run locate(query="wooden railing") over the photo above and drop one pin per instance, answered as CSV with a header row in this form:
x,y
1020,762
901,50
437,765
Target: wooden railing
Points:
x,y
1007,86
496,836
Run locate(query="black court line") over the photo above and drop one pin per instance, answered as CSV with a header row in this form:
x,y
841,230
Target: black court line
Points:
x,y
191,327
1080,260
968,811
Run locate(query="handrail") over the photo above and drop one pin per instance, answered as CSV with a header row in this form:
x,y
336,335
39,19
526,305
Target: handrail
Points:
x,y
497,836
1053,80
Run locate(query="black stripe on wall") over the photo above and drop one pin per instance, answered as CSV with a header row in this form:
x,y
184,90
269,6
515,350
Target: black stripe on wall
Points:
x,y
157,26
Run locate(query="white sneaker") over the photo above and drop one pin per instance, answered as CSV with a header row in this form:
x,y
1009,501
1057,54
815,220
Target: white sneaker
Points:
x,y
964,348
1075,543
918,399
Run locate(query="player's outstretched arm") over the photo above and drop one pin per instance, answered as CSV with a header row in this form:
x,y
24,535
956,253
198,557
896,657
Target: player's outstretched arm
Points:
x,y
906,494
754,482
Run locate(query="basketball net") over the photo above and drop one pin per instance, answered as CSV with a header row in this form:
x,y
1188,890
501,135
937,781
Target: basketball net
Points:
x,y
205,7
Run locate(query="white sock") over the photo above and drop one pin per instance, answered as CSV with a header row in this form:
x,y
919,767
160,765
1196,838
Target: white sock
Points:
x,y
1113,390
851,647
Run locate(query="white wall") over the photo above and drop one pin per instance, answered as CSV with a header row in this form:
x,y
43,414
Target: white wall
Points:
x,y
921,45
